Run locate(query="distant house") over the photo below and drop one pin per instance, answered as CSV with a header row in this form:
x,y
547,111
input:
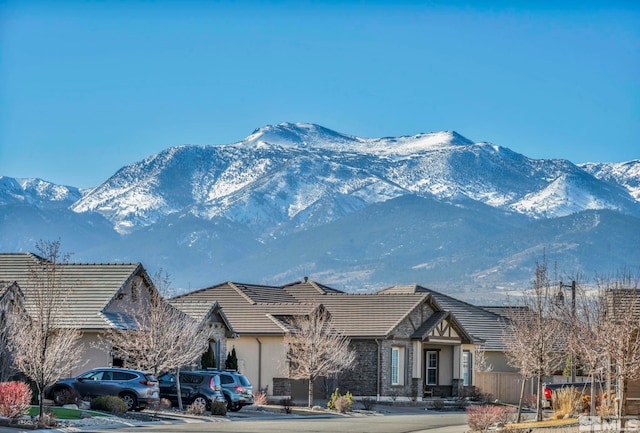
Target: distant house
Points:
x,y
410,341
628,301
99,297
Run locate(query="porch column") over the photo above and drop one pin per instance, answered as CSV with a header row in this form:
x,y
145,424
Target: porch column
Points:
x,y
416,372
457,362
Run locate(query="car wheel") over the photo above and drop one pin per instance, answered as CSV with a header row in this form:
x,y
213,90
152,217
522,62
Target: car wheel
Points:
x,y
58,395
201,399
235,407
130,399
229,403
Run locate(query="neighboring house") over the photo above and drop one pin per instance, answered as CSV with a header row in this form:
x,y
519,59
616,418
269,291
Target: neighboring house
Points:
x,y
205,312
99,297
409,340
617,300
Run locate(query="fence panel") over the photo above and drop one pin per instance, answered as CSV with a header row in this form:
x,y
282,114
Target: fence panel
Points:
x,y
504,387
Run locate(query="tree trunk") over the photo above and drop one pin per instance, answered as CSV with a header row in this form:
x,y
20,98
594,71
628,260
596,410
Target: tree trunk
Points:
x,y
178,389
592,398
539,398
310,391
41,402
623,402
524,382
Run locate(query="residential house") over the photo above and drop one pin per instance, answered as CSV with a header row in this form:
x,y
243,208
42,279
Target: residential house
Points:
x,y
627,301
409,341
212,314
99,297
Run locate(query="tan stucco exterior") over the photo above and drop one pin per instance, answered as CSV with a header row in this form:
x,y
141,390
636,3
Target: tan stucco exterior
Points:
x,y
260,358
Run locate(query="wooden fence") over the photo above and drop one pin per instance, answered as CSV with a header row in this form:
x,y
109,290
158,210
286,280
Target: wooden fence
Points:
x,y
504,387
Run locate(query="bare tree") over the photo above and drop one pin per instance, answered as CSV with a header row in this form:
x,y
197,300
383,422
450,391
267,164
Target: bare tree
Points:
x,y
587,335
533,335
316,349
618,336
11,302
44,347
160,337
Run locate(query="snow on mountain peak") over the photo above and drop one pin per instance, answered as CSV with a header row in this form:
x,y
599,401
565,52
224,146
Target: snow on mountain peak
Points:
x,y
309,135
289,174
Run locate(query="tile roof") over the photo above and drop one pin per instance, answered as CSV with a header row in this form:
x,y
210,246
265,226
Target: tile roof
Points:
x,y
483,325
200,310
245,314
436,318
91,287
622,301
356,315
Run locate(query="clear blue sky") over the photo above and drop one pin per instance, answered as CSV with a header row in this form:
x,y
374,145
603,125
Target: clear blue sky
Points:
x,y
88,87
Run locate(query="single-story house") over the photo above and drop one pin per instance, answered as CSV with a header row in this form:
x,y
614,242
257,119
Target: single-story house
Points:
x,y
98,299
409,340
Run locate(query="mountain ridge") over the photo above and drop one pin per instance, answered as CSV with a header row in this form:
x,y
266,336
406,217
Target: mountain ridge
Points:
x,y
239,206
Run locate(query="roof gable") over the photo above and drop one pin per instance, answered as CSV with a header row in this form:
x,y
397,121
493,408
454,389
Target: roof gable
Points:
x,y
92,287
480,323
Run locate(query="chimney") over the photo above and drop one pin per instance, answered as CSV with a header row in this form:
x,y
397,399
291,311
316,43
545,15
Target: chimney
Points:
x,y
306,279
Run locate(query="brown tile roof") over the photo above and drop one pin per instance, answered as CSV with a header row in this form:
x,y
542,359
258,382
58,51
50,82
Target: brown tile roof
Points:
x,y
92,287
622,301
245,314
356,315
200,310
483,325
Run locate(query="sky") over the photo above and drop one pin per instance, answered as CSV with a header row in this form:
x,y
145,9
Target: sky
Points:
x,y
87,87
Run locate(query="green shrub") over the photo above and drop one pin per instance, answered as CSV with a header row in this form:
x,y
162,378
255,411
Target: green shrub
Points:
x,y
219,408
109,403
346,403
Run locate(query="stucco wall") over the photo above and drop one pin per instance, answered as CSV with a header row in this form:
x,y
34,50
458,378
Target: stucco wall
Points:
x,y
93,354
260,359
498,362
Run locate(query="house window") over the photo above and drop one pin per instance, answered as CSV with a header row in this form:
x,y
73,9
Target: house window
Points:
x,y
397,365
467,364
432,367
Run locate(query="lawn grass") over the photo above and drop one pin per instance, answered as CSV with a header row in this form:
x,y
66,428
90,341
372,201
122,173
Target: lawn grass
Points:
x,y
64,413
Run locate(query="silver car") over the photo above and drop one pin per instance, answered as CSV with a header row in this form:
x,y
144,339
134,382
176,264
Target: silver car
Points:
x,y
137,388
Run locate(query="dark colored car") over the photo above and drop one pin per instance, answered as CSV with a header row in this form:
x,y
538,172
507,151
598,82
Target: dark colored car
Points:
x,y
195,386
236,388
137,388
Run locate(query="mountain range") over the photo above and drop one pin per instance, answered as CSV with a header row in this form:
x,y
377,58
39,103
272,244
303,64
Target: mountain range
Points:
x,y
292,200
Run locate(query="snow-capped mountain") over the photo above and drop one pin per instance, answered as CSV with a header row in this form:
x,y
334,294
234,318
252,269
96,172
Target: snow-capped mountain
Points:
x,y
291,176
300,199
626,174
36,192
